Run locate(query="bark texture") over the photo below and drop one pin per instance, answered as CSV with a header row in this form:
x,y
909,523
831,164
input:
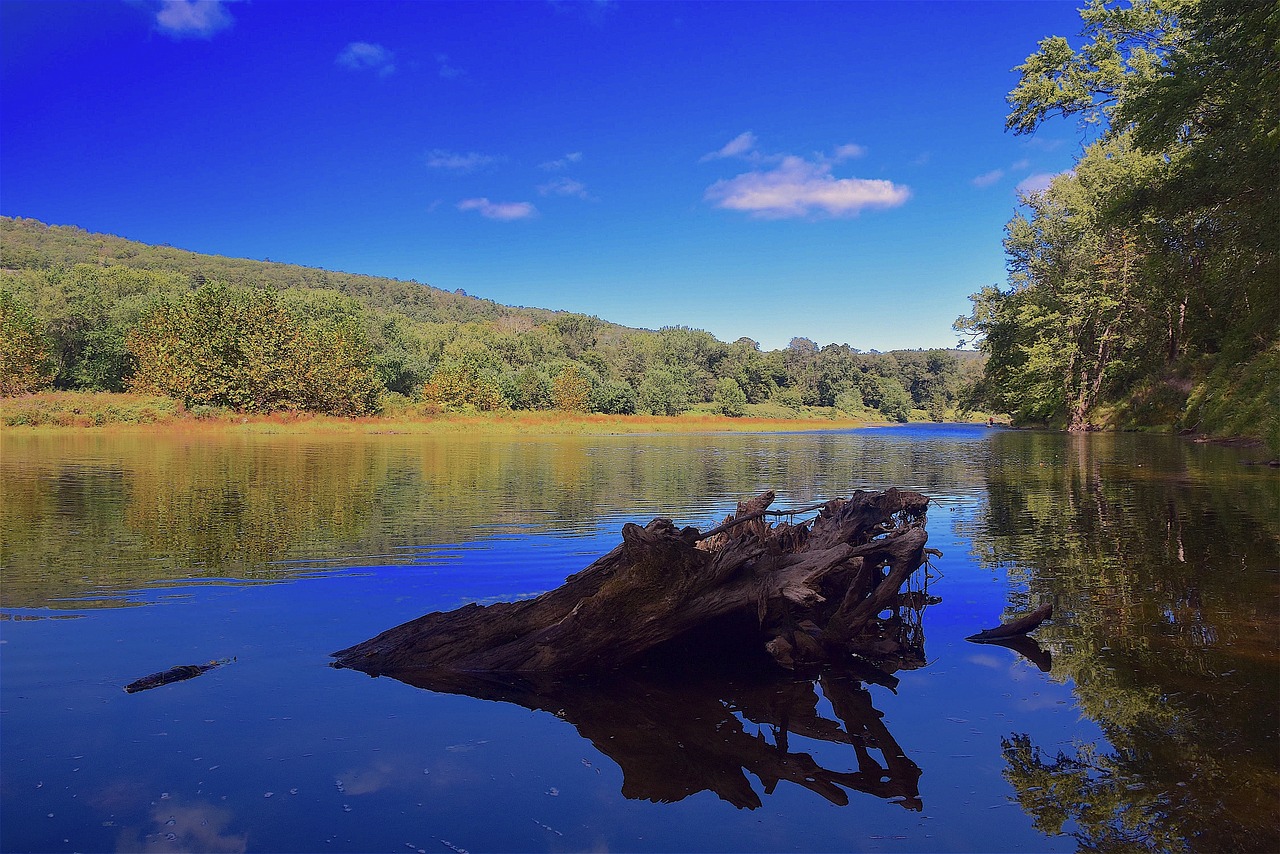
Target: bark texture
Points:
x,y
808,593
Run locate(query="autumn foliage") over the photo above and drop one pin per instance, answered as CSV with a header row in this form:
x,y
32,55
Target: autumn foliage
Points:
x,y
24,359
239,348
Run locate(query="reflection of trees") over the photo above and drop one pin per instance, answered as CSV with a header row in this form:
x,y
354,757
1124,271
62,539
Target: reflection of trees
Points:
x,y
82,512
676,736
1159,557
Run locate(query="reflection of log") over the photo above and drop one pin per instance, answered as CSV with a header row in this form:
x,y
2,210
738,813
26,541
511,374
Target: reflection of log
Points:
x,y
1028,648
1017,627
674,737
808,593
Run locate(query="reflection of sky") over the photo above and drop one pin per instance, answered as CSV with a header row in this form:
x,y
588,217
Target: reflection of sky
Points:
x,y
419,770
278,719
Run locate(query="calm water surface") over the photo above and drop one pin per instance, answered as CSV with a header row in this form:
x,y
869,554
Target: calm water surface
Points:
x,y
1153,728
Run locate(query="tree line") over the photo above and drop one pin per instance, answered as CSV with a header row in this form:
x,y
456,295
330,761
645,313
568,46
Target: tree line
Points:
x,y
94,312
1144,284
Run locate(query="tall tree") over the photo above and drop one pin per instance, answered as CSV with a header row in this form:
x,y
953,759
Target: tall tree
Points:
x,y
25,366
1166,228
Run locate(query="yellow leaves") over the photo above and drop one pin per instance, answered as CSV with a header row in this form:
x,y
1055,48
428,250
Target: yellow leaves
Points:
x,y
24,358
240,348
571,389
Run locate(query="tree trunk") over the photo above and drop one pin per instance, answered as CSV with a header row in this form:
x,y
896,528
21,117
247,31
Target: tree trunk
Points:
x,y
808,593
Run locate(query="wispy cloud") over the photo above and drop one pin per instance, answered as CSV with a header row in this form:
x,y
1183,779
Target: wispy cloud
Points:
x,y
740,146
564,187
986,179
848,151
592,11
499,210
562,162
447,71
193,19
362,56
745,146
452,161
1037,183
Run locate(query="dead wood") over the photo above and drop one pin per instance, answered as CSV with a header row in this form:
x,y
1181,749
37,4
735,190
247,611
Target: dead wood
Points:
x,y
815,592
173,674
1014,628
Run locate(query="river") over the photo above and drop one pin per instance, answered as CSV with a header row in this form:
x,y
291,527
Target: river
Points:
x,y
1147,720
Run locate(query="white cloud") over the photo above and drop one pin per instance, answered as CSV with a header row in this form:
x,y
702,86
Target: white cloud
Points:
x,y
499,210
986,179
798,187
199,19
360,56
848,151
452,161
561,163
740,146
1037,183
564,187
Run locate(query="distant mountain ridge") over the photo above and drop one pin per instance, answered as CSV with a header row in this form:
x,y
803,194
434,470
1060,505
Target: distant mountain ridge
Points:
x,y
31,244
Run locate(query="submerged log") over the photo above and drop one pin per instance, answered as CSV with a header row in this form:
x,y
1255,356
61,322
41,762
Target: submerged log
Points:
x,y
807,593
173,674
1015,628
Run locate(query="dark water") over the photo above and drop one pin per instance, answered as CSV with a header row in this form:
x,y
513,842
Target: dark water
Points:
x,y
1155,727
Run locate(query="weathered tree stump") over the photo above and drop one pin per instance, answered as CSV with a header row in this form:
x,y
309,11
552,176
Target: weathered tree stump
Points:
x,y
809,593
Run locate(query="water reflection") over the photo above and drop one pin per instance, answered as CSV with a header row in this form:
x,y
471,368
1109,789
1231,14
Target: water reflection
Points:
x,y
676,735
1027,647
1162,561
184,826
86,513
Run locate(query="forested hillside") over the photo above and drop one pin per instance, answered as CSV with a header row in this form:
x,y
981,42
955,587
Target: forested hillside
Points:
x,y
1144,285
96,312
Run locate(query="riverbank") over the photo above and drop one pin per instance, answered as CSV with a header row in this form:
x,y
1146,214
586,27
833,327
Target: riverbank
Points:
x,y
109,412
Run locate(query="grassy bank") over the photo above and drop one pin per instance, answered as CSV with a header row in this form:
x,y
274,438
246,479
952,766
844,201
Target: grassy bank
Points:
x,y
63,410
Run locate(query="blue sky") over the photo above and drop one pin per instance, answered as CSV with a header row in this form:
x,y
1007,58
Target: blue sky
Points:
x,y
837,171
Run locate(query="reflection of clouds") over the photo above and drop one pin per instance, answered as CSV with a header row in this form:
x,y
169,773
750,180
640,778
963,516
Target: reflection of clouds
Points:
x,y
1038,701
185,827
373,778
402,772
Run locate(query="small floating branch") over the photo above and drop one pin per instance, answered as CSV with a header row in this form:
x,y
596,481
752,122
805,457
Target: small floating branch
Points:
x,y
173,674
1015,628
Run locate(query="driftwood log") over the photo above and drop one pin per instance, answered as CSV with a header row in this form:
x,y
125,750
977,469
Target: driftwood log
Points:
x,y
1015,628
173,674
811,593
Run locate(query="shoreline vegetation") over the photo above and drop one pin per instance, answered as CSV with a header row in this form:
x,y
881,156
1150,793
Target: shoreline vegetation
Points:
x,y
61,412
1142,286
83,313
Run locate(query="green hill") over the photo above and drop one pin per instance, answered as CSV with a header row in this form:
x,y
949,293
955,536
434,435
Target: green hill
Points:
x,y
99,312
